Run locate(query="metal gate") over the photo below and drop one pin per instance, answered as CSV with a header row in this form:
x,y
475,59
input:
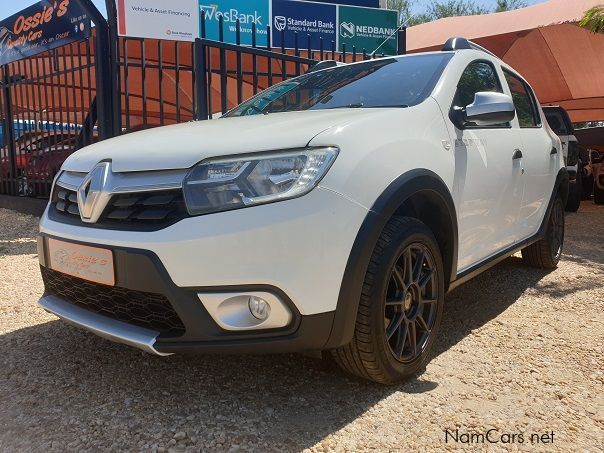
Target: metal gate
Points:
x,y
46,105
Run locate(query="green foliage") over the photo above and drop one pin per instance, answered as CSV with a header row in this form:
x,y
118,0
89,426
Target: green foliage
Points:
x,y
452,8
439,9
403,7
508,5
593,19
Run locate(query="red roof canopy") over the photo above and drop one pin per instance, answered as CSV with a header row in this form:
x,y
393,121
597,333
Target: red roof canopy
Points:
x,y
562,61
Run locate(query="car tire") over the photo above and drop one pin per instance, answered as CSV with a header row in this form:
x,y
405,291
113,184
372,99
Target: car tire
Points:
x,y
400,307
588,186
546,253
575,194
598,195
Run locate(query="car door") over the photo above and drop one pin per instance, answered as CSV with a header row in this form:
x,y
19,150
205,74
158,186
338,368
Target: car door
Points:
x,y
556,121
540,156
488,183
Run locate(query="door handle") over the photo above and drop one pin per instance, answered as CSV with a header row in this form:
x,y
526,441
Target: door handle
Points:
x,y
553,152
517,154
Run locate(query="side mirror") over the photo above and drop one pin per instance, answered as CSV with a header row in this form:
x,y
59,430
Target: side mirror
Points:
x,y
490,109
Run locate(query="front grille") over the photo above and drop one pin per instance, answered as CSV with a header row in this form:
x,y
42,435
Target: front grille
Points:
x,y
142,309
153,210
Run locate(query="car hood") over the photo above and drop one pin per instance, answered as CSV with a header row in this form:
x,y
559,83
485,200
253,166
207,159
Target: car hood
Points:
x,y
183,145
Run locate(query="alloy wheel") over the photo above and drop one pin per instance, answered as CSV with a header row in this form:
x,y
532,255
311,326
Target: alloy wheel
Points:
x,y
411,302
557,230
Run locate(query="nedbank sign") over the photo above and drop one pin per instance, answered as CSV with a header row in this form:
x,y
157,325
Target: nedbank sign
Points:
x,y
368,28
248,12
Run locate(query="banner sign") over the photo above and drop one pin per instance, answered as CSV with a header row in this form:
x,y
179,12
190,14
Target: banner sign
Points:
x,y
248,12
319,20
366,3
359,26
174,20
368,28
43,26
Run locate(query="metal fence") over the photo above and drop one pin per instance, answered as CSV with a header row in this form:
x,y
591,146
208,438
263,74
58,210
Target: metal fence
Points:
x,y
47,110
166,82
49,106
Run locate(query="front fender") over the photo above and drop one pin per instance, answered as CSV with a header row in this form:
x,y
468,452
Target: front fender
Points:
x,y
395,195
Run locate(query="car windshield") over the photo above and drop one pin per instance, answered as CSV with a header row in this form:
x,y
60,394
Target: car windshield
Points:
x,y
387,82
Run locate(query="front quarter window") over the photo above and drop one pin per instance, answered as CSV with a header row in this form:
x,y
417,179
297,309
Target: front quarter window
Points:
x,y
479,76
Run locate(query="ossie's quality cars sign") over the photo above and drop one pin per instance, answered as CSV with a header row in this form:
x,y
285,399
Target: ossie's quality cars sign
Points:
x,y
43,26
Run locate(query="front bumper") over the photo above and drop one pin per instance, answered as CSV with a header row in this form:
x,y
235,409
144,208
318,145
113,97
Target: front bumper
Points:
x,y
114,330
296,250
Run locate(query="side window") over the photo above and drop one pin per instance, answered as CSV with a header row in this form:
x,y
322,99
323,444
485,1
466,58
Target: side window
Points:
x,y
526,110
556,122
478,76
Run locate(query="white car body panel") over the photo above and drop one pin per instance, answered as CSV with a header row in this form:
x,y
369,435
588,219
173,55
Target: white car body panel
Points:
x,y
184,145
488,184
541,168
363,175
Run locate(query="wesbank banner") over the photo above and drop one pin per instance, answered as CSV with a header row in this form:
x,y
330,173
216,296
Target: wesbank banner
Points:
x,y
43,26
175,20
247,11
368,28
319,20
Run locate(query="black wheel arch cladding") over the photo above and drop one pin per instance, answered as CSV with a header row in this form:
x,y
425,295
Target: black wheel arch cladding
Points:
x,y
419,193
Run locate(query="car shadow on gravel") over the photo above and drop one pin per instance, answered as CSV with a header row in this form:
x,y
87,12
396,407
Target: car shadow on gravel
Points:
x,y
56,378
482,299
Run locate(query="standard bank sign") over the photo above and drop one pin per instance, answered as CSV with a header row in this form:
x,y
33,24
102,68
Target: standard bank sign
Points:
x,y
301,21
248,12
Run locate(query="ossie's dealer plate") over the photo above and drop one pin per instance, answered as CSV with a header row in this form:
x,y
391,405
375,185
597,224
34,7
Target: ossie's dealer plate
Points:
x,y
89,263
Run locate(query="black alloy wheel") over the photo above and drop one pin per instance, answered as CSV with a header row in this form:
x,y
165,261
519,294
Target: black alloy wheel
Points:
x,y
410,305
400,307
557,231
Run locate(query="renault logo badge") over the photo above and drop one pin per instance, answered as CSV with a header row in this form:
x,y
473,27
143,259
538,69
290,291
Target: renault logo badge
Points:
x,y
94,193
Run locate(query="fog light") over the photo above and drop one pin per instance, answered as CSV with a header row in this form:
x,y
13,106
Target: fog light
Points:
x,y
259,308
247,311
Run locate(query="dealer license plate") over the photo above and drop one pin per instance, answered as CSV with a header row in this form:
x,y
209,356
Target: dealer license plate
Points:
x,y
89,263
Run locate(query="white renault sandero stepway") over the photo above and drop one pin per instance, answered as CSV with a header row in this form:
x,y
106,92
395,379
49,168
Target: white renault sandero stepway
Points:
x,y
331,212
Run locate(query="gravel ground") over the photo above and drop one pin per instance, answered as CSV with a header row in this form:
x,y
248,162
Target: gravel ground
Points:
x,y
521,353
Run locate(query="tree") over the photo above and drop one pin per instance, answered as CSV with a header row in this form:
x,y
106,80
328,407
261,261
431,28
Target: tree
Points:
x,y
593,19
452,8
403,7
439,9
508,5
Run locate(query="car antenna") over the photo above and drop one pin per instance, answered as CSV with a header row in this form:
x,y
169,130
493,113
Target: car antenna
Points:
x,y
400,27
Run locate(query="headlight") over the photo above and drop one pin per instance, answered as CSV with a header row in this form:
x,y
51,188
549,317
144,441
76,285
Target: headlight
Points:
x,y
247,180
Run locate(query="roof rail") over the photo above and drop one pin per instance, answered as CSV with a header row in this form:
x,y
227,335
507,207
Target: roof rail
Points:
x,y
463,43
325,64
